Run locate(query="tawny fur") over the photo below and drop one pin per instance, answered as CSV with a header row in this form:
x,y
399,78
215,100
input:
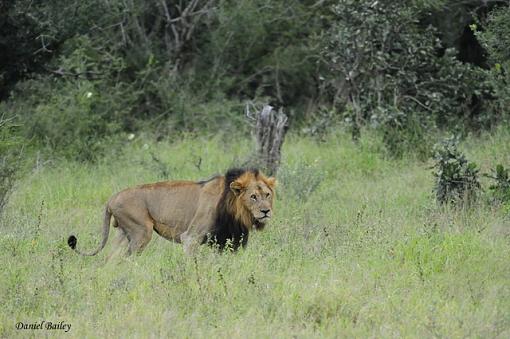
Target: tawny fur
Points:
x,y
222,209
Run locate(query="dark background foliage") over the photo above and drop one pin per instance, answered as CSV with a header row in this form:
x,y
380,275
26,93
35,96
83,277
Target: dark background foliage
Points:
x,y
75,74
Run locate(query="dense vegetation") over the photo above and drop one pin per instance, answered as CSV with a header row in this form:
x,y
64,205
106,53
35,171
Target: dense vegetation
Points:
x,y
84,71
394,188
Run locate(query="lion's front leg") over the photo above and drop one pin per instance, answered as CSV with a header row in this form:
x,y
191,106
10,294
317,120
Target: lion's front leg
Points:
x,y
197,233
201,224
190,243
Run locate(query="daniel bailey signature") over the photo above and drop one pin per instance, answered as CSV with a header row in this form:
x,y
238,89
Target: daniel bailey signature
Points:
x,y
44,325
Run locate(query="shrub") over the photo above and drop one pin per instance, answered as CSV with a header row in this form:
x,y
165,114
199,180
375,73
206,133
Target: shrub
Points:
x,y
500,189
10,157
321,122
387,68
70,119
456,177
264,48
495,38
74,112
406,133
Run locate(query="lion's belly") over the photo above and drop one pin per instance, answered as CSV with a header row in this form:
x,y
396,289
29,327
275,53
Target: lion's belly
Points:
x,y
172,209
175,207
170,231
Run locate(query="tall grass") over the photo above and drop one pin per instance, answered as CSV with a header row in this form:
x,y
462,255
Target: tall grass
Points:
x,y
357,247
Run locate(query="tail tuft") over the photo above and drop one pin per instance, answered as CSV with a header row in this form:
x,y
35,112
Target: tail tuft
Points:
x,y
71,241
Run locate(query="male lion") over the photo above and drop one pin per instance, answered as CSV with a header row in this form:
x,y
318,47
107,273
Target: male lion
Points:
x,y
220,210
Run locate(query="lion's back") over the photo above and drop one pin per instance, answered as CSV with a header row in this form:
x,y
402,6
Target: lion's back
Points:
x,y
181,200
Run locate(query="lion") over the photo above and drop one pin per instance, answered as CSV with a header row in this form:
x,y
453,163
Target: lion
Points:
x,y
222,211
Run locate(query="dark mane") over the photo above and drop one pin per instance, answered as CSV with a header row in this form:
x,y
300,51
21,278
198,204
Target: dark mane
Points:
x,y
226,227
234,173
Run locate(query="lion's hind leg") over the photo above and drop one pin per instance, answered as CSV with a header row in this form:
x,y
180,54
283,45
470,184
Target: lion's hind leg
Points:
x,y
138,231
119,245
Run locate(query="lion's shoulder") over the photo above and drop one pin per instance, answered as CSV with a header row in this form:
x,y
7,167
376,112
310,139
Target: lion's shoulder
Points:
x,y
213,187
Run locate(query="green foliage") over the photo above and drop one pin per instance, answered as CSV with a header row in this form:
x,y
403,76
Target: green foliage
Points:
x,y
160,65
406,133
73,110
388,68
188,66
72,123
456,177
10,157
495,38
263,48
496,35
500,189
22,43
321,122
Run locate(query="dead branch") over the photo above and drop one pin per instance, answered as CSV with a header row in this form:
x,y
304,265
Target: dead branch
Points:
x,y
270,129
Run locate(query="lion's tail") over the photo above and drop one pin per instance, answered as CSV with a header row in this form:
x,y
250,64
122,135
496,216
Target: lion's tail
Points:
x,y
72,240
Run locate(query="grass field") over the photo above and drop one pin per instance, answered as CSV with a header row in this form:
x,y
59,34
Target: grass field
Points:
x,y
357,248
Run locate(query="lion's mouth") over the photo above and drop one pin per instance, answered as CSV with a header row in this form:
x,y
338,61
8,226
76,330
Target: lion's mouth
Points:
x,y
263,219
260,223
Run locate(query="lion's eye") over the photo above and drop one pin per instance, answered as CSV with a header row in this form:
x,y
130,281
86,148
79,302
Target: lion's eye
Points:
x,y
268,195
253,197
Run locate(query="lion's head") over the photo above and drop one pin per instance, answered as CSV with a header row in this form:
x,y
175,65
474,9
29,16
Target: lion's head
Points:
x,y
252,195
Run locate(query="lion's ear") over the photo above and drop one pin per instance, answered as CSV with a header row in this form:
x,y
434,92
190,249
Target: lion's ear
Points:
x,y
271,182
236,187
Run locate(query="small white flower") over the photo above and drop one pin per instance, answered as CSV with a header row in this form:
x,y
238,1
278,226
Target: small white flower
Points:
x,y
89,94
145,146
131,136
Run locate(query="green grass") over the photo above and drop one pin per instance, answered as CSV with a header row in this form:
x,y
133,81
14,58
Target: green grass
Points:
x,y
357,248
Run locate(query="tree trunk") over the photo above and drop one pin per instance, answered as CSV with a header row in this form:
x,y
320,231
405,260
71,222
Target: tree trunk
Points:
x,y
269,132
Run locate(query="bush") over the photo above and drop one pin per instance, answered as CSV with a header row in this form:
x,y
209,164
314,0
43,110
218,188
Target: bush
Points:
x,y
406,134
264,48
68,118
456,177
10,157
393,74
495,38
500,189
188,65
321,122
74,112
161,65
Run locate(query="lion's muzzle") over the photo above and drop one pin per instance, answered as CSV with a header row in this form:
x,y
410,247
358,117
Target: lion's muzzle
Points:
x,y
264,216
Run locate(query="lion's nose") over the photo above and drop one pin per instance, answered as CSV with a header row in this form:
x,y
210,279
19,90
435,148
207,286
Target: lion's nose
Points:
x,y
265,211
